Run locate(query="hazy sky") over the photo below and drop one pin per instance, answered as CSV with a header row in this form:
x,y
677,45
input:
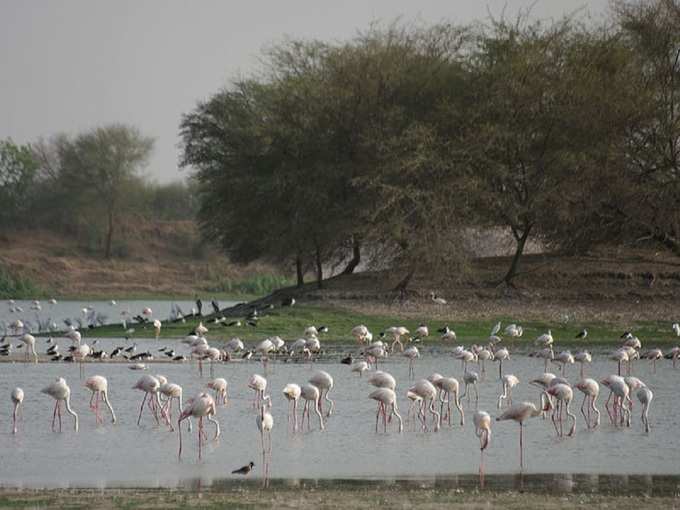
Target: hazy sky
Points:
x,y
68,65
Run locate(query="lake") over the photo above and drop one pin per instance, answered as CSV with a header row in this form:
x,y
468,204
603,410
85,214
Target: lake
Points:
x,y
127,455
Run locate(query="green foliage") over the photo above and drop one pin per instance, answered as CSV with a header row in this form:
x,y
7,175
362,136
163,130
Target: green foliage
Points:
x,y
17,175
17,287
256,285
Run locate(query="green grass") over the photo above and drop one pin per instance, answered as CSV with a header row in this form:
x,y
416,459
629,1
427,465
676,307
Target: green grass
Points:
x,y
255,285
289,323
17,287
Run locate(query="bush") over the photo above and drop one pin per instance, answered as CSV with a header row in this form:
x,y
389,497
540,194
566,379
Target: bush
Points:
x,y
258,285
17,287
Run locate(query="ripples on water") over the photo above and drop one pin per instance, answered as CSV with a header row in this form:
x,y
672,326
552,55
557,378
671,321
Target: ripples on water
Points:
x,y
127,455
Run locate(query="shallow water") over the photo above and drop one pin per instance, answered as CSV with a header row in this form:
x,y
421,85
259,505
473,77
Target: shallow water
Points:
x,y
146,456
69,309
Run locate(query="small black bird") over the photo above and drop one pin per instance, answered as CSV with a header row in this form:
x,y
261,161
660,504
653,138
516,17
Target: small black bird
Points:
x,y
347,361
582,334
443,330
322,329
199,306
234,323
244,470
215,306
170,353
247,355
252,323
288,302
179,358
116,352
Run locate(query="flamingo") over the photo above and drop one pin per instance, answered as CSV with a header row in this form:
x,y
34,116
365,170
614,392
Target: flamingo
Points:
x,y
582,357
29,341
157,328
311,393
324,382
60,391
79,354
513,330
422,331
203,406
470,379
382,379
482,356
414,406
653,355
465,357
617,386
620,355
509,381
359,367
449,385
265,423
374,351
258,384
234,345
17,399
563,394
520,413
171,391
564,358
546,354
482,422
427,392
448,334
544,340
397,333
501,355
590,390
360,333
99,386
292,393
645,397
386,397
412,354
219,386
149,385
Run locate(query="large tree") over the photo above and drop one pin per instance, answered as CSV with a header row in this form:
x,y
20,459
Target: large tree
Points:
x,y
18,170
100,165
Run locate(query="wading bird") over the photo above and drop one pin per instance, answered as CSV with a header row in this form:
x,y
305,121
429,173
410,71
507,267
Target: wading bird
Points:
x,y
203,406
520,413
591,391
386,398
17,399
99,386
61,392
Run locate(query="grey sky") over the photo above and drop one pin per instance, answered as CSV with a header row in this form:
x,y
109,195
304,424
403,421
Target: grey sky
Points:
x,y
68,65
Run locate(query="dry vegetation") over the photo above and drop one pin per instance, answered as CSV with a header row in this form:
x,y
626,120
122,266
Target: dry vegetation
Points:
x,y
156,258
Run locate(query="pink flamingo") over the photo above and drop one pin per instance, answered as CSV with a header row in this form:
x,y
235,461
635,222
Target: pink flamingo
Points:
x,y
29,341
98,385
428,393
509,381
520,413
324,382
590,390
219,386
482,422
149,385
292,393
617,386
258,384
311,393
17,399
203,406
563,395
386,397
645,397
60,391
171,391
448,386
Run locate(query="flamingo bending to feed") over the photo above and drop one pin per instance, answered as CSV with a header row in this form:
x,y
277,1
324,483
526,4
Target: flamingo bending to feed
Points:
x,y
258,384
428,393
645,397
382,379
203,406
60,391
448,386
324,382
149,385
171,391
17,399
482,422
386,397
99,387
292,393
219,386
590,390
620,390
563,394
311,393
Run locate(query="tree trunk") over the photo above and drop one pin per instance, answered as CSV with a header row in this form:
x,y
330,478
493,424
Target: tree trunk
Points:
x,y
403,284
319,269
109,237
521,242
356,256
299,271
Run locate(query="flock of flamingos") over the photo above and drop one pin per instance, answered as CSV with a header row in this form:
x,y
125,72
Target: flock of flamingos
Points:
x,y
430,399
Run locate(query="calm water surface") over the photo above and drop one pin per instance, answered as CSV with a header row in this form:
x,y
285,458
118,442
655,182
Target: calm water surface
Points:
x,y
127,455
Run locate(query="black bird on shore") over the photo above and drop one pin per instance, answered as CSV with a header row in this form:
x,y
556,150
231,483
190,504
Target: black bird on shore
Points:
x,y
170,353
582,334
244,470
116,352
199,306
234,323
443,330
247,355
290,301
347,361
252,323
215,306
179,358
